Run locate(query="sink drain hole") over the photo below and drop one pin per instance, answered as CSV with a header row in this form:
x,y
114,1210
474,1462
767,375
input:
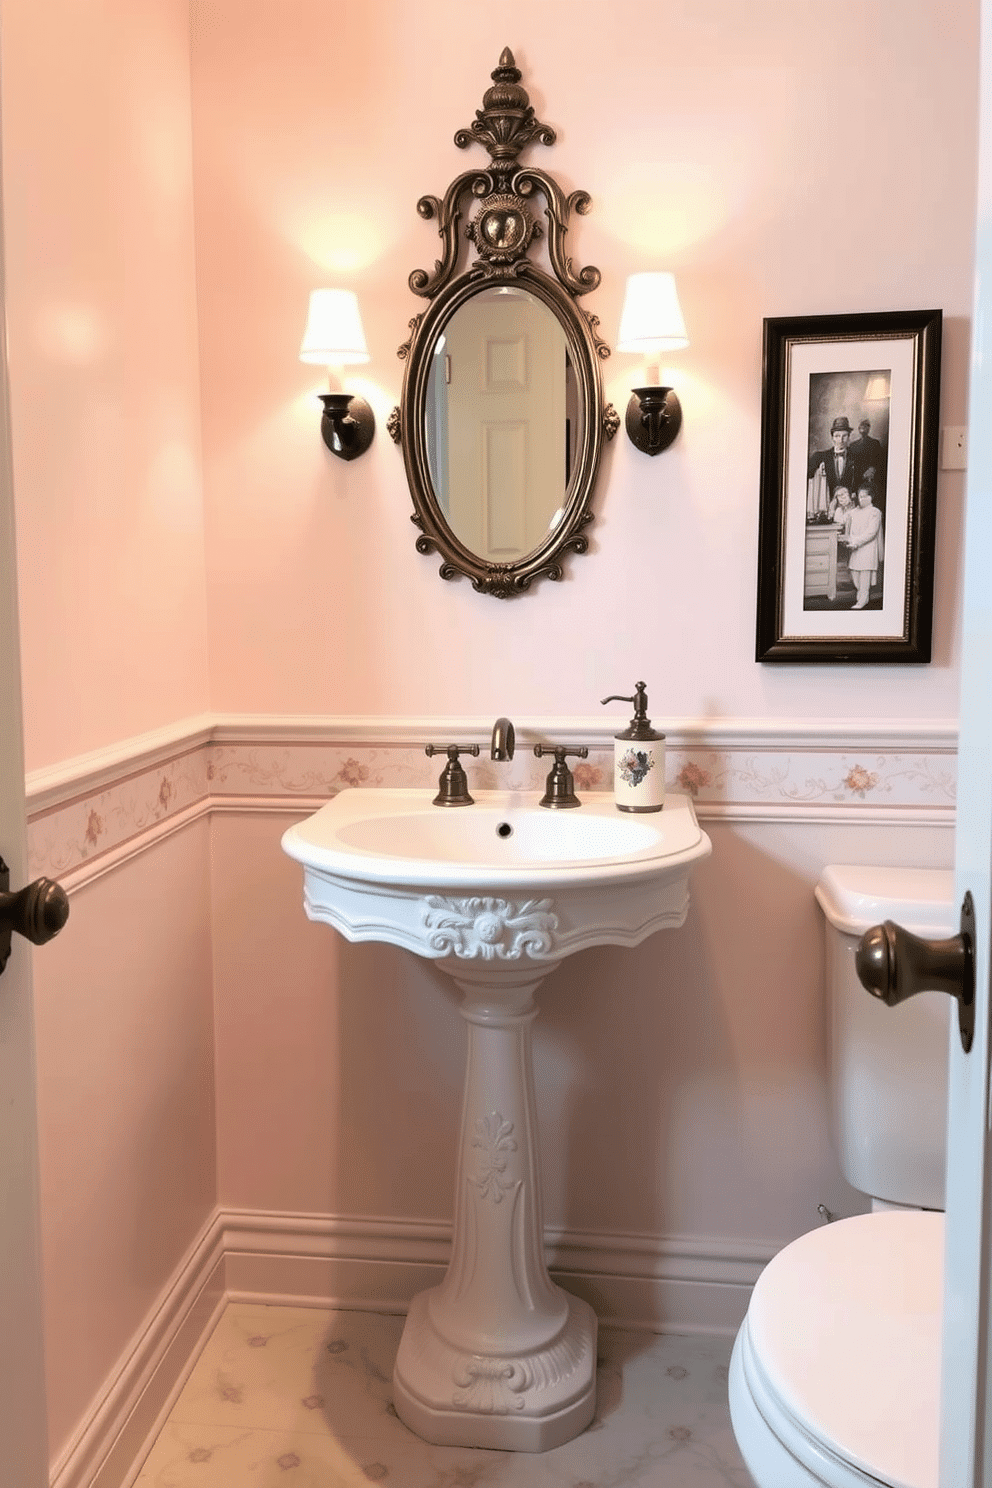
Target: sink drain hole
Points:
x,y
504,830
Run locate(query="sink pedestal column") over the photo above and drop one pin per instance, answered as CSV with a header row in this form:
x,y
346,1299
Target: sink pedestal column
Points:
x,y
497,1355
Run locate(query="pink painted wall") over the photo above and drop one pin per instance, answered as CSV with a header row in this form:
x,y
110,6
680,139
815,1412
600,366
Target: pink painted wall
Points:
x,y
103,361
126,1108
709,137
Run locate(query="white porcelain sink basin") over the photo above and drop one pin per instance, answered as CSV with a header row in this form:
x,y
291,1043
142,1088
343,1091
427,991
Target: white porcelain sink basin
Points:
x,y
400,837
495,836
497,894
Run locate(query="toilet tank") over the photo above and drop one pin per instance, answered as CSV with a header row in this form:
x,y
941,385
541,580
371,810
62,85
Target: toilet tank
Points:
x,y
887,1066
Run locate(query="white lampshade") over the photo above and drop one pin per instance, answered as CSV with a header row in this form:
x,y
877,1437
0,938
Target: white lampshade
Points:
x,y
877,390
334,335
652,316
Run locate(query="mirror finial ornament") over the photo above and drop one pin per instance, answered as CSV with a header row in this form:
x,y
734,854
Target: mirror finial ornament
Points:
x,y
502,490
505,122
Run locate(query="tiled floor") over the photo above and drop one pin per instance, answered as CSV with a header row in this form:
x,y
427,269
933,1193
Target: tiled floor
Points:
x,y
288,1397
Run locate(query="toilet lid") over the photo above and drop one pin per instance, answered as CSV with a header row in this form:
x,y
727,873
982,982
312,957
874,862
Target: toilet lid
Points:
x,y
844,1330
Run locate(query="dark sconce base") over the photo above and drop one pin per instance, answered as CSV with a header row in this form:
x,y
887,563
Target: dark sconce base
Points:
x,y
654,418
347,425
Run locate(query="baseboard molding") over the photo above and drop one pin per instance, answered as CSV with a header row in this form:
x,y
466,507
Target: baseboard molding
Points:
x,y
149,1374
666,1284
663,1284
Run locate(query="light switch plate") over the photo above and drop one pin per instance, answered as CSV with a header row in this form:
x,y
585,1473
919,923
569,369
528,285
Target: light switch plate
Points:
x,y
954,454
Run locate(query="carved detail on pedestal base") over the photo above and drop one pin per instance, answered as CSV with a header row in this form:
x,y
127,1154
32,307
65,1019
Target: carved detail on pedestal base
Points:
x,y
497,1386
528,1401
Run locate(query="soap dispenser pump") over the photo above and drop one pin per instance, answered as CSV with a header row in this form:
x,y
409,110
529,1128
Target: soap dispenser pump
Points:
x,y
638,758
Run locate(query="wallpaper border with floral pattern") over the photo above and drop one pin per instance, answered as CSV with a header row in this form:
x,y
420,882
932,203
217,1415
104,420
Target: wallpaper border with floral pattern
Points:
x,y
87,814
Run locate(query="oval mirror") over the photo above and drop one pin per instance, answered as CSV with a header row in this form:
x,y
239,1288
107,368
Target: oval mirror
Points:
x,y
502,418
500,422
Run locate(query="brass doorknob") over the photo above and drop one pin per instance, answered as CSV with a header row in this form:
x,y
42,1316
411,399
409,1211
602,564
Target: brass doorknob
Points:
x,y
37,912
894,964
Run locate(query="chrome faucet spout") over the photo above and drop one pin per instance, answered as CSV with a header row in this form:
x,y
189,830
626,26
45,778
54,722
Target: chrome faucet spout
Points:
x,y
503,740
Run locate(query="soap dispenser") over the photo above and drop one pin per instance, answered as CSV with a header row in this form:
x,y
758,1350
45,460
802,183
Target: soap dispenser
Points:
x,y
638,758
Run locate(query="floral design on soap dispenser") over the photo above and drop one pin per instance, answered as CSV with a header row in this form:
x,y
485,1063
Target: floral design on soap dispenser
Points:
x,y
634,766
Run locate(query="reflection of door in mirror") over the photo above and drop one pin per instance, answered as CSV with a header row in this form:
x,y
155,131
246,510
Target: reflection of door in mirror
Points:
x,y
496,423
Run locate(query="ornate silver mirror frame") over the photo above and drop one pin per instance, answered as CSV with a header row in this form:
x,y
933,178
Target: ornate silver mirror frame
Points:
x,y
502,230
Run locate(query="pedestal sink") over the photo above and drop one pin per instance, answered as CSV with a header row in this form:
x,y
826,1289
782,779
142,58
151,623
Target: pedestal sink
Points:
x,y
496,893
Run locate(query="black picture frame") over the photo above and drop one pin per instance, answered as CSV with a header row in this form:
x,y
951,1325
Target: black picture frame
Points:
x,y
820,599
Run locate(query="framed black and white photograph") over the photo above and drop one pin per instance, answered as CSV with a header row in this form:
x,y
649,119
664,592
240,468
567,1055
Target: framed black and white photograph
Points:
x,y
849,425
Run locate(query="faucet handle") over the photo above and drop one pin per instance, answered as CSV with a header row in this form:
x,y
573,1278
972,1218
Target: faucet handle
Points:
x,y
559,788
453,784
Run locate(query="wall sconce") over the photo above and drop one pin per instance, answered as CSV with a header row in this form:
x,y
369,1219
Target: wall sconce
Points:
x,y
651,323
334,338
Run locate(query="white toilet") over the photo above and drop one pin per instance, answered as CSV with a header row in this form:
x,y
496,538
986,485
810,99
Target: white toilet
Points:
x,y
835,1375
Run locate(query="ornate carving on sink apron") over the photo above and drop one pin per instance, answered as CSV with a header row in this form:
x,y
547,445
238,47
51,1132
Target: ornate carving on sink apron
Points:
x,y
495,929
